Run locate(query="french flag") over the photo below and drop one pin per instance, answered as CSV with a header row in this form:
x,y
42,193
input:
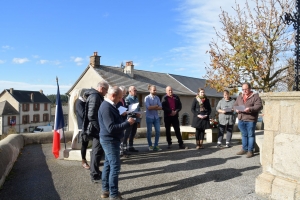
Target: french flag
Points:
x,y
58,132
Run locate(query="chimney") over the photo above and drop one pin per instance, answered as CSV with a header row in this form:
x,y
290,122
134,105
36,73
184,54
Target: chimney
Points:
x,y
41,91
95,60
31,97
11,90
129,68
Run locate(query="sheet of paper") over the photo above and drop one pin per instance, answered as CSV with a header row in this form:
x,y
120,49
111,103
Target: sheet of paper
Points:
x,y
239,108
133,107
227,109
203,115
122,110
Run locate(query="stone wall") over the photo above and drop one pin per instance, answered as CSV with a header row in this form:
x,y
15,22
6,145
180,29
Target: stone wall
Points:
x,y
281,150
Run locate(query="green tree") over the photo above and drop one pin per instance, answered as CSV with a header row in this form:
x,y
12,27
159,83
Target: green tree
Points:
x,y
251,47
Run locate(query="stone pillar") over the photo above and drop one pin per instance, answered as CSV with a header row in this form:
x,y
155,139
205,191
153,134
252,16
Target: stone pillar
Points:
x,y
280,178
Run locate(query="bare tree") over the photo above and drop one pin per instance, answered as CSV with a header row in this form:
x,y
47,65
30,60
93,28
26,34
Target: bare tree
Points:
x,y
252,46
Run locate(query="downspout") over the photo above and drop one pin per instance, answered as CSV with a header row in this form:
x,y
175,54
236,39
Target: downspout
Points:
x,y
19,118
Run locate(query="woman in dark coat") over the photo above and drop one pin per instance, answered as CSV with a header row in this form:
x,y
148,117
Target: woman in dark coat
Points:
x,y
201,110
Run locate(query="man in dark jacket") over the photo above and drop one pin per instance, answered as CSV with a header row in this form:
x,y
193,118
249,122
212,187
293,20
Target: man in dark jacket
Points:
x,y
171,106
111,132
94,98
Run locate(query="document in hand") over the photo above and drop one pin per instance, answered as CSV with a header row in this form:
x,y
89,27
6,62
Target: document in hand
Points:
x,y
227,109
239,108
122,110
133,107
203,115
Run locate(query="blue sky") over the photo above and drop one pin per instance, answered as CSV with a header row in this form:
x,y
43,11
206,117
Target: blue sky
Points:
x,y
40,40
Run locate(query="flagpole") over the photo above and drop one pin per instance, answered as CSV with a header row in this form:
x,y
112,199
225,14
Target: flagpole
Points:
x,y
63,127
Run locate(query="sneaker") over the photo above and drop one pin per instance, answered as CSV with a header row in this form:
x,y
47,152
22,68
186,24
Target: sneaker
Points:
x,y
219,145
151,148
157,148
227,145
242,152
119,197
105,194
132,149
249,154
169,146
96,180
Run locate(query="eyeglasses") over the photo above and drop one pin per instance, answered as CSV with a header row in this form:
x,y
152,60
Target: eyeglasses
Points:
x,y
135,90
245,89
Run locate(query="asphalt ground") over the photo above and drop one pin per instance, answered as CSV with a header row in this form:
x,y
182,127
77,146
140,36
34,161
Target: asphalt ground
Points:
x,y
176,174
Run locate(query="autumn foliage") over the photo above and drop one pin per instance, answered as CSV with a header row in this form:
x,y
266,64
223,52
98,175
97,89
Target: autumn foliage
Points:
x,y
252,46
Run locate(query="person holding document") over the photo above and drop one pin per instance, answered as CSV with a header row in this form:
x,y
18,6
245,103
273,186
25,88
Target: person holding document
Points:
x,y
132,102
247,106
201,109
226,118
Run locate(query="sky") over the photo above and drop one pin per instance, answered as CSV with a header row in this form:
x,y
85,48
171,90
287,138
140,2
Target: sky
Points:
x,y
40,40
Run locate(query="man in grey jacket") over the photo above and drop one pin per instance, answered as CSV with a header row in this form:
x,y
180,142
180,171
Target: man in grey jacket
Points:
x,y
249,106
226,118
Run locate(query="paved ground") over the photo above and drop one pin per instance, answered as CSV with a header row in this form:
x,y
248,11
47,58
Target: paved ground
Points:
x,y
175,174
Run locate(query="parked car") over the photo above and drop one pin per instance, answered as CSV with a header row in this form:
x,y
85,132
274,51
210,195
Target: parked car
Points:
x,y
39,129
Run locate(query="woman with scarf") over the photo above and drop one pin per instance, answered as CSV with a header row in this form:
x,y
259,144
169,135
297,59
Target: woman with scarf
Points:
x,y
201,110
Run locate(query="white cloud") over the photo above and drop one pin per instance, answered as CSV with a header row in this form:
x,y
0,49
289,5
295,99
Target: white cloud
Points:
x,y
2,61
20,60
47,89
180,69
6,47
43,61
77,60
35,56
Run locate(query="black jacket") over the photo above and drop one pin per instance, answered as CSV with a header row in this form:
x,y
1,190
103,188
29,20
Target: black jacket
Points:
x,y
197,122
166,108
93,102
79,107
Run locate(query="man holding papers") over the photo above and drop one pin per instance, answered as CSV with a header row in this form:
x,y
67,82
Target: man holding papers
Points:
x,y
247,106
226,118
132,102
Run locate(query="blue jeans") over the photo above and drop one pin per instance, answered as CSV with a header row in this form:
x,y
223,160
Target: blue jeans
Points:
x,y
111,167
156,124
248,134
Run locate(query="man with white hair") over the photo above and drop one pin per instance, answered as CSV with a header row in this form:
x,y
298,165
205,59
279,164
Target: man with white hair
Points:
x,y
112,130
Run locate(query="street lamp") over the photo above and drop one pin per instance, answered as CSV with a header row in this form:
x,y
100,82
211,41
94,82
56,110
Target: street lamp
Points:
x,y
295,19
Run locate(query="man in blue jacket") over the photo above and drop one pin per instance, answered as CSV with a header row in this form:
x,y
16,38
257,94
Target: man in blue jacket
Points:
x,y
112,130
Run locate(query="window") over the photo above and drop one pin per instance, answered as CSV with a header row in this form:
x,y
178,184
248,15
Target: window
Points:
x,y
25,107
25,119
212,103
36,106
45,106
36,118
11,120
140,96
45,117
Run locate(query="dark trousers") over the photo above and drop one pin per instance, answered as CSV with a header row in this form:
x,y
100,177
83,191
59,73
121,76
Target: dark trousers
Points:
x,y
222,129
84,146
130,133
200,134
96,155
172,120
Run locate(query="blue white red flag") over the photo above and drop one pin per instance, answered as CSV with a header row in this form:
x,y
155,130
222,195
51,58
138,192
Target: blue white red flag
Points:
x,y
59,124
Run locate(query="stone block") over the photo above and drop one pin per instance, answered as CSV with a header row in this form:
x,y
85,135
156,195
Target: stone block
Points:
x,y
263,184
267,150
286,155
71,154
272,116
297,193
283,189
211,135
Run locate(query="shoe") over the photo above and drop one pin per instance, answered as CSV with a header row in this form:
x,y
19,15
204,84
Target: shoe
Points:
x,y
219,145
96,180
182,147
157,148
85,165
242,152
105,194
119,197
197,147
169,146
249,154
227,145
151,148
132,149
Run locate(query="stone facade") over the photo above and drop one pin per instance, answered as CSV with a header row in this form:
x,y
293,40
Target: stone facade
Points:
x,y
280,178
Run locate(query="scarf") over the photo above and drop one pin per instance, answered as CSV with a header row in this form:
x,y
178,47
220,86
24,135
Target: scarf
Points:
x,y
201,100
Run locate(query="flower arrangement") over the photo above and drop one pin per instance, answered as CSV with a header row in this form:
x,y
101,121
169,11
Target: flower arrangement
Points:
x,y
213,123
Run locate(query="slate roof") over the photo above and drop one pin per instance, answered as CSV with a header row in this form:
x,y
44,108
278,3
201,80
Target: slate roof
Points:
x,y
194,83
23,96
116,76
7,109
